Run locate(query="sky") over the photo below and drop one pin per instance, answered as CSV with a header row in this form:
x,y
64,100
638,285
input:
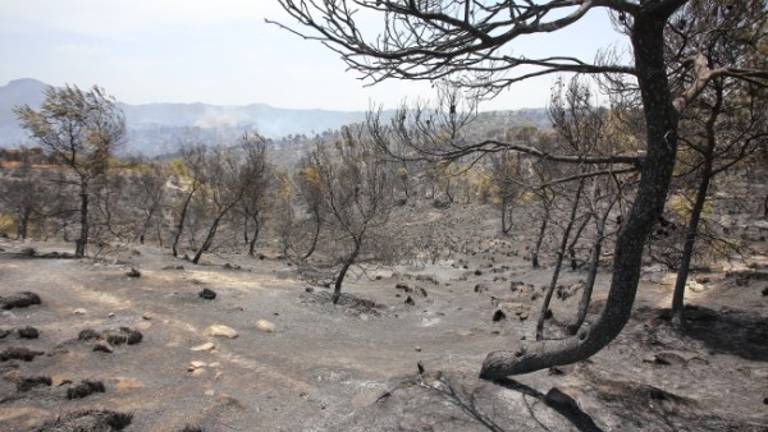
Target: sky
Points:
x,y
222,52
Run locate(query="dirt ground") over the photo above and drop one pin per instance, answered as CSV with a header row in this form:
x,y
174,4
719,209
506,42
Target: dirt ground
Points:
x,y
356,366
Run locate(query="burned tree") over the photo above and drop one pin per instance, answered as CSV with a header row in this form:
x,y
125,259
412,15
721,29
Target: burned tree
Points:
x,y
727,122
357,198
190,174
227,180
80,129
461,41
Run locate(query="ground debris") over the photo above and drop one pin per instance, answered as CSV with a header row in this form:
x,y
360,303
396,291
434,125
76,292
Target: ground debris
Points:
x,y
85,388
19,300
89,421
19,353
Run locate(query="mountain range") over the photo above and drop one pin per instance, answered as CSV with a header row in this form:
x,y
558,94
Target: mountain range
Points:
x,y
156,128
159,128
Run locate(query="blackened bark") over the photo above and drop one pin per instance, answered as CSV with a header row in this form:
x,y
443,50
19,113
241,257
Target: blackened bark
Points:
x,y
594,263
539,240
343,272
575,241
82,241
678,297
182,220
315,235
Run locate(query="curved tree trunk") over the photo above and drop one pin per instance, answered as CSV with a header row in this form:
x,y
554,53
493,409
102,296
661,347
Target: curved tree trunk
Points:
x,y
661,121
343,273
558,264
540,240
315,236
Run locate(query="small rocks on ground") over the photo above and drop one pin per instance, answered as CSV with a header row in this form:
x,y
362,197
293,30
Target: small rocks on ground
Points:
x,y
90,420
85,389
27,383
133,273
265,326
207,294
19,353
19,300
27,332
499,315
203,347
220,330
80,311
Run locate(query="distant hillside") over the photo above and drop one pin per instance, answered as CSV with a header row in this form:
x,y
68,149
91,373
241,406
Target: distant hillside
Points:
x,y
156,128
159,128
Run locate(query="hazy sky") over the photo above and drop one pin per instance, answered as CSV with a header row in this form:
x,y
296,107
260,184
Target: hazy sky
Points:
x,y
221,52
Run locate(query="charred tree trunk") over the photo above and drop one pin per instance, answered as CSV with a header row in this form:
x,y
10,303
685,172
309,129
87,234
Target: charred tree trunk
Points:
x,y
540,239
661,121
558,264
594,263
506,216
208,239
678,297
182,220
576,238
23,228
343,273
255,236
315,235
82,241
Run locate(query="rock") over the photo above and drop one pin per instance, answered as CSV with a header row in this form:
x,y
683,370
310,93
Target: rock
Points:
x,y
417,349
123,335
104,347
265,326
479,288
765,292
115,337
15,353
88,334
88,421
499,315
85,389
207,294
220,330
190,428
309,290
79,311
19,300
111,315
197,364
27,383
133,273
4,333
198,372
27,332
204,347
403,287
409,301
146,316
